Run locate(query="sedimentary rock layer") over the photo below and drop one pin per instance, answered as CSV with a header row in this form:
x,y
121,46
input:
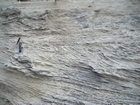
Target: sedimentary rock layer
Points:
x,y
75,52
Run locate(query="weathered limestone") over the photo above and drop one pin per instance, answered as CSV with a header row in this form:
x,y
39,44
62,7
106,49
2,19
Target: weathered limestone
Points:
x,y
78,52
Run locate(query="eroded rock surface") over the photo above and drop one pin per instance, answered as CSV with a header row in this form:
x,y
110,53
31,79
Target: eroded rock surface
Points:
x,y
75,52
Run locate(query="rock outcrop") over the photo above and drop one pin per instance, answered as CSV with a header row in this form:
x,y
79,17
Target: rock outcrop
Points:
x,y
75,52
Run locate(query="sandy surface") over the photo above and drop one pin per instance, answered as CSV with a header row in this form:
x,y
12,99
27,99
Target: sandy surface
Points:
x,y
75,52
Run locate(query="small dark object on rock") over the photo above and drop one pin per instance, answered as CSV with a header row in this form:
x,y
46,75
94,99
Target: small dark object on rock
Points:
x,y
89,6
132,30
55,1
85,25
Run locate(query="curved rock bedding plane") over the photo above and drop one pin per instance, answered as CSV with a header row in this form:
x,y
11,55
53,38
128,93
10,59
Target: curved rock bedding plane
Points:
x,y
70,52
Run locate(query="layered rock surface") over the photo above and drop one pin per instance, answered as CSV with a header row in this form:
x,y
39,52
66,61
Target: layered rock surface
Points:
x,y
75,52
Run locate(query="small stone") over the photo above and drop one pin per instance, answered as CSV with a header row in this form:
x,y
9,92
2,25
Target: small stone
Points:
x,y
85,25
97,10
132,30
89,6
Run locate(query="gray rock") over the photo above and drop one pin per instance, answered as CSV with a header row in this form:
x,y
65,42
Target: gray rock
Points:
x,y
22,58
73,54
10,12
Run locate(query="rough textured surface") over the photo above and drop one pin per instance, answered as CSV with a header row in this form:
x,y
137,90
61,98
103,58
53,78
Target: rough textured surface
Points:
x,y
78,52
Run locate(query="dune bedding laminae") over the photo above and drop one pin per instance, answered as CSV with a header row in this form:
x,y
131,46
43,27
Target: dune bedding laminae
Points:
x,y
74,52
